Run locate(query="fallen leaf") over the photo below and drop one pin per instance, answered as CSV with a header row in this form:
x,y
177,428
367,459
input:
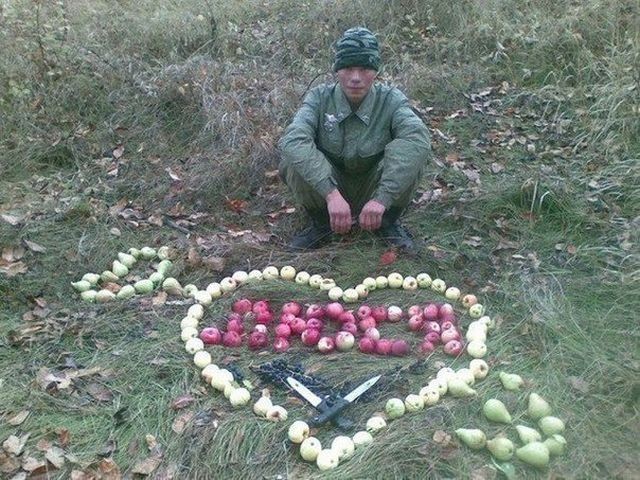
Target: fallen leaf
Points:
x,y
50,381
115,232
159,299
80,475
43,445
236,205
20,476
441,437
147,466
118,151
473,241
193,258
63,436
388,257
18,418
109,470
472,175
496,167
14,444
31,463
174,176
485,472
11,219
8,463
99,392
55,455
571,249
181,421
12,254
33,246
152,443
182,401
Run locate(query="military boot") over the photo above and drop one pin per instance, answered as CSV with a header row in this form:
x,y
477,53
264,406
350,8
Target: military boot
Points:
x,y
315,234
392,232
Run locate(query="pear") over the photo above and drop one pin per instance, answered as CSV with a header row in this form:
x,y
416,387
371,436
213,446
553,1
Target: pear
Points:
x,y
119,269
126,292
81,286
496,411
472,437
458,388
556,444
501,448
535,454
528,434
551,425
143,286
538,407
511,381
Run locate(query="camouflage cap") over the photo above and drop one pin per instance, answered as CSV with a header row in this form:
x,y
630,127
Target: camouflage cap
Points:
x,y
358,47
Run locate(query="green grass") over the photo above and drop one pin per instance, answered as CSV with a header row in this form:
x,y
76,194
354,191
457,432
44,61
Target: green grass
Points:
x,y
205,89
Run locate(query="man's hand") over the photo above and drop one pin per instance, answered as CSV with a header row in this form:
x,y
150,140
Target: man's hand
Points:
x,y
339,212
371,215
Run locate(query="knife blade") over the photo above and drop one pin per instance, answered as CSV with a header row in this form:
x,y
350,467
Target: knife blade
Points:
x,y
320,404
340,404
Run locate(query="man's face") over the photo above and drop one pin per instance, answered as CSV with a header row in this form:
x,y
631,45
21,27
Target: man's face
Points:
x,y
356,82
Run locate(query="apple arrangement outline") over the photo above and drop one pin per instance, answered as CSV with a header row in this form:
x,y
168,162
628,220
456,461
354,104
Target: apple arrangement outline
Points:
x,y
254,322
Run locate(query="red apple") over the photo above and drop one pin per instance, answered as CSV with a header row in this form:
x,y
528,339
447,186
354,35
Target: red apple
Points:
x,y
242,306
448,318
446,325
294,308
231,339
344,341
379,313
310,336
334,310
297,325
314,311
258,340
433,338
347,316
260,306
350,327
430,312
448,335
383,346
445,309
372,332
326,344
367,345
235,326
283,330
399,348
365,323
414,310
454,348
432,327
415,323
287,318
211,336
427,347
363,312
315,323
281,344
264,316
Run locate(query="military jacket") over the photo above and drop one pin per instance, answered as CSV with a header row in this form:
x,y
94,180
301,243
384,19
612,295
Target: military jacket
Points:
x,y
326,134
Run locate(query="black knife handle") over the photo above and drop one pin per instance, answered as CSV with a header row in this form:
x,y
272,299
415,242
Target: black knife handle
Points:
x,y
338,405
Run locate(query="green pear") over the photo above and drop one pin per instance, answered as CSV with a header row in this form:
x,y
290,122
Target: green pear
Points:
x,y
472,437
126,292
538,407
528,434
81,286
511,381
535,454
495,411
501,448
551,425
556,444
458,388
